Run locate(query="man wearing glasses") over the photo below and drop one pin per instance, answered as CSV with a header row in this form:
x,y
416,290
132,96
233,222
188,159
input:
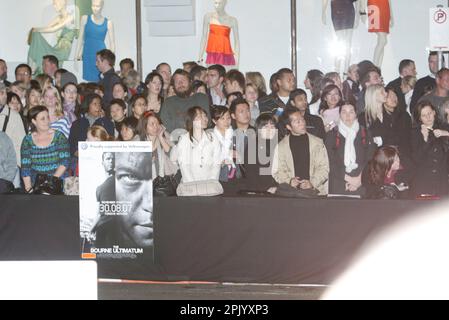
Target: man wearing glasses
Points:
x,y
23,73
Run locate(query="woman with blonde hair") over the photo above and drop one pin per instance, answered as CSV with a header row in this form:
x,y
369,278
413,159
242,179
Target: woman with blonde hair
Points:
x,y
375,97
53,102
257,79
44,81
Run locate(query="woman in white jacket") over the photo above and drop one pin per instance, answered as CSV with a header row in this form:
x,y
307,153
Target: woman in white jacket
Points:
x,y
198,152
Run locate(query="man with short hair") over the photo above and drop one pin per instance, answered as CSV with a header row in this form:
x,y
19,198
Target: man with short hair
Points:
x,y
406,68
198,73
49,65
105,64
174,109
298,101
300,159
234,81
126,65
11,123
23,73
164,70
284,84
440,94
426,82
214,80
371,77
4,73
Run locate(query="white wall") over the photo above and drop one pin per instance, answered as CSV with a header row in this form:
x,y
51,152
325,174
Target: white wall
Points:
x,y
264,32
20,16
264,28
409,38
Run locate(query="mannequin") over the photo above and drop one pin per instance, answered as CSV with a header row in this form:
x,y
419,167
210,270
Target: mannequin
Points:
x,y
380,20
64,25
216,34
94,30
345,17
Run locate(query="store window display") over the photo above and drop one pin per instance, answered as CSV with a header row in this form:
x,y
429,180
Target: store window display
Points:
x,y
94,31
216,39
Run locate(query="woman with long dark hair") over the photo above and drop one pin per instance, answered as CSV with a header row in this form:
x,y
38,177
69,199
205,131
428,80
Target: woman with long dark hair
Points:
x,y
385,177
429,152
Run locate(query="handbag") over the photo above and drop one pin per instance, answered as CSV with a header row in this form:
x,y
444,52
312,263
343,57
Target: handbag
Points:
x,y
166,186
287,191
208,188
47,185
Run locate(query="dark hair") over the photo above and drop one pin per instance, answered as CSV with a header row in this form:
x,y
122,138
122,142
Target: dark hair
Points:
x,y
52,59
88,100
345,103
10,96
326,91
380,164
273,83
198,84
134,99
182,73
295,93
235,75
77,105
162,64
237,95
367,76
418,109
218,111
120,102
124,88
364,67
190,118
127,61
150,78
190,64
235,103
196,70
315,77
131,123
219,68
404,64
32,114
265,118
23,65
441,72
107,55
143,122
283,72
285,118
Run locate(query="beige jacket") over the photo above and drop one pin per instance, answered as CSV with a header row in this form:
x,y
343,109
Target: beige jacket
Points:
x,y
283,169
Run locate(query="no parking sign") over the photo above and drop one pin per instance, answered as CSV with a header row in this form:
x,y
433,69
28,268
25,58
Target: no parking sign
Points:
x,y
439,28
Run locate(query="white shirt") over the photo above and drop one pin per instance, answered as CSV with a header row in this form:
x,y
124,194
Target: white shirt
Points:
x,y
198,160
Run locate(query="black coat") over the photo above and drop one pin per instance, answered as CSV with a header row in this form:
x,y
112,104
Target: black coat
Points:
x,y
394,130
419,90
430,159
335,145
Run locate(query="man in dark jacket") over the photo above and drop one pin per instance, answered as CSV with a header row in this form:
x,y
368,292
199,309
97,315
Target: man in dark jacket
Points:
x,y
427,82
406,68
314,124
105,64
284,84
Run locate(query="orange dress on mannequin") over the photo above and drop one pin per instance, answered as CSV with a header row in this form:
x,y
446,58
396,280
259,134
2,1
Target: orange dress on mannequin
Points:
x,y
219,50
379,16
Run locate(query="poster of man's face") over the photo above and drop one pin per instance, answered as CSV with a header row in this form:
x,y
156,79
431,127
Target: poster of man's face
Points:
x,y
116,197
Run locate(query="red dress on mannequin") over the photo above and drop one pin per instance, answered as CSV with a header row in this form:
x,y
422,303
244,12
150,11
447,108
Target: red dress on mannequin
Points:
x,y
379,16
219,50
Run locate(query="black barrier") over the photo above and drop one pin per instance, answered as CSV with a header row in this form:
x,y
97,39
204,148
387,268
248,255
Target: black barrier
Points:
x,y
257,240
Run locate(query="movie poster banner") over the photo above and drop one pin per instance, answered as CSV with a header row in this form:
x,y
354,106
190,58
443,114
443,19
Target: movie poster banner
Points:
x,y
116,200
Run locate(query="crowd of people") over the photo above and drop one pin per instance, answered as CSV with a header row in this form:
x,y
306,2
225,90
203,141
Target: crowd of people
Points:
x,y
226,132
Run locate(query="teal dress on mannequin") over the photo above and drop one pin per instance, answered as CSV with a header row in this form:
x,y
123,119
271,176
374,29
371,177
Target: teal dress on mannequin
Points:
x,y
39,48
